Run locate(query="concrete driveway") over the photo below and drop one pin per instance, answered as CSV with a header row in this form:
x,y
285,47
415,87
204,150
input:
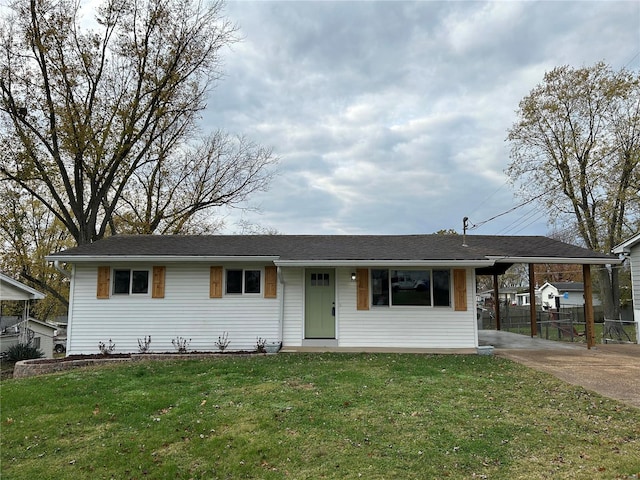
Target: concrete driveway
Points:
x,y
611,370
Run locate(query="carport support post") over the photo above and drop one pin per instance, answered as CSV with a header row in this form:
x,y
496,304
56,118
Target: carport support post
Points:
x,y
496,300
532,301
588,306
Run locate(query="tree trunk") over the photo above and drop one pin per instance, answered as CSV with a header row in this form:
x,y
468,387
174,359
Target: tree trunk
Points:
x,y
610,296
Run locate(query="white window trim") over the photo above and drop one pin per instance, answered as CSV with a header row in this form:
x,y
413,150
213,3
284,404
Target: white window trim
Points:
x,y
243,293
130,292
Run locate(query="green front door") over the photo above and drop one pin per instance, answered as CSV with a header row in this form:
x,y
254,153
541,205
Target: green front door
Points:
x,y
320,296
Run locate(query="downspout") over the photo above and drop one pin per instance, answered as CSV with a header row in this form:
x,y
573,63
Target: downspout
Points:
x,y
281,313
56,265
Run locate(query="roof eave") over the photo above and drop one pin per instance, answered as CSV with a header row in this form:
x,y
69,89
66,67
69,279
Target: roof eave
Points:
x,y
160,258
383,263
625,247
35,294
558,260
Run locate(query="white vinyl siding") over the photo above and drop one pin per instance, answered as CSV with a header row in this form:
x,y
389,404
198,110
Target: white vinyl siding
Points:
x,y
635,274
185,311
188,311
293,306
403,327
635,282
399,327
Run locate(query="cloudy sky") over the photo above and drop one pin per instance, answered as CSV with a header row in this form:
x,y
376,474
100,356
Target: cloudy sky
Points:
x,y
391,117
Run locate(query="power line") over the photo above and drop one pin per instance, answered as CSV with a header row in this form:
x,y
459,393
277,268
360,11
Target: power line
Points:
x,y
548,191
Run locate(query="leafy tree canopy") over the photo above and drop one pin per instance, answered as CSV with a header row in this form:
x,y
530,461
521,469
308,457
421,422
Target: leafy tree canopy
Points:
x,y
99,125
575,148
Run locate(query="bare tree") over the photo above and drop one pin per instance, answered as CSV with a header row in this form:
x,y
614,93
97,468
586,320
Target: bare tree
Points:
x,y
97,123
173,195
576,147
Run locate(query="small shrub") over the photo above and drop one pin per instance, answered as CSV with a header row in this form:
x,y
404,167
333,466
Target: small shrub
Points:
x,y
144,344
23,351
260,343
106,349
223,341
181,344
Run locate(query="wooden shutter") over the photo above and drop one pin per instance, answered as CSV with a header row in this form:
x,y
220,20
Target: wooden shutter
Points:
x,y
362,285
270,282
157,290
104,282
215,282
460,290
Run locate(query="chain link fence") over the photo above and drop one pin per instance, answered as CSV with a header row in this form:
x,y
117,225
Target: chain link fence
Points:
x,y
566,325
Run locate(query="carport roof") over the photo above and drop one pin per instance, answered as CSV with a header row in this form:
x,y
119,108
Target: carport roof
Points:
x,y
478,250
11,289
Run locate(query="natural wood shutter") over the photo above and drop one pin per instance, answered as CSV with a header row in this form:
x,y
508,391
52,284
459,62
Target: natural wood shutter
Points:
x,y
362,285
104,284
157,290
215,282
460,290
270,282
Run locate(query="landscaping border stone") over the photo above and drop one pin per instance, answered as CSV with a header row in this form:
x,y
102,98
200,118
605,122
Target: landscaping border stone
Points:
x,y
31,368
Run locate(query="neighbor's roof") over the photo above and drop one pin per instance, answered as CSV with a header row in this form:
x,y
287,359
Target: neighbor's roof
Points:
x,y
566,286
625,247
335,250
11,289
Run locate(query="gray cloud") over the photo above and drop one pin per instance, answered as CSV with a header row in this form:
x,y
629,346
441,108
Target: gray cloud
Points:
x,y
390,117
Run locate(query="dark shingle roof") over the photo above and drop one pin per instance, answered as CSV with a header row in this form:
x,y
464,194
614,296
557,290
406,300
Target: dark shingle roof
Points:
x,y
334,247
568,286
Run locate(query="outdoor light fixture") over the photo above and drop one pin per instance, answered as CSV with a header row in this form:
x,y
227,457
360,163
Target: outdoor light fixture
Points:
x,y
353,277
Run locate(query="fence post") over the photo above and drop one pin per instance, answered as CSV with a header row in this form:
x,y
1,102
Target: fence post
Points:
x,y
532,301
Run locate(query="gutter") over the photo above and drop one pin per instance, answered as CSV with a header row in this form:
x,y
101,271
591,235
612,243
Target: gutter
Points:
x,y
372,263
159,258
558,260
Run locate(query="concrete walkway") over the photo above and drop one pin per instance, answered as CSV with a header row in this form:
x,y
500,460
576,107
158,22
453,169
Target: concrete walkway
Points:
x,y
611,370
511,341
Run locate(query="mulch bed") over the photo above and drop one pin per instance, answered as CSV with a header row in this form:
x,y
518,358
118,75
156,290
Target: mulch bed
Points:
x,y
98,356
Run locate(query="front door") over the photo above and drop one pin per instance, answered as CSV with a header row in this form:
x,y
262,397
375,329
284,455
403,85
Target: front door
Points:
x,y
320,296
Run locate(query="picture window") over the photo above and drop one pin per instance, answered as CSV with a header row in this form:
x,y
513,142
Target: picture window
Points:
x,y
411,287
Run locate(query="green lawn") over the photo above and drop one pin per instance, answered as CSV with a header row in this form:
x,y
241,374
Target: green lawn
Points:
x,y
314,416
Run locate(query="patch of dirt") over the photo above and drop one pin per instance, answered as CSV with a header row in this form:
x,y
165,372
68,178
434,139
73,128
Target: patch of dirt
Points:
x,y
79,357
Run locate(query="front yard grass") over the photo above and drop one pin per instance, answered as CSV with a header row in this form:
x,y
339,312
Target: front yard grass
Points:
x,y
314,416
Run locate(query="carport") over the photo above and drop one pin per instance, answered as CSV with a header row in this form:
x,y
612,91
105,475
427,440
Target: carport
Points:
x,y
564,256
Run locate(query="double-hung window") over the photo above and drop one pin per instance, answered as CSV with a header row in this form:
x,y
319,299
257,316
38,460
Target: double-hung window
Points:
x,y
243,281
411,287
126,282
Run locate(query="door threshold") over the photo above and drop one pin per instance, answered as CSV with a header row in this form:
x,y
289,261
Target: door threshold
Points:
x,y
319,342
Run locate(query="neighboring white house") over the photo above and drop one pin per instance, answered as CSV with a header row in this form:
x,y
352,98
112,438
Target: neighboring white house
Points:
x,y
333,291
523,298
568,294
631,250
22,328
505,296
